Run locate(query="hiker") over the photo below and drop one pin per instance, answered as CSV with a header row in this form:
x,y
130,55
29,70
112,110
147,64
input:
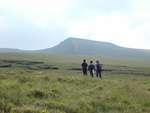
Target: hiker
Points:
x,y
84,67
98,69
91,68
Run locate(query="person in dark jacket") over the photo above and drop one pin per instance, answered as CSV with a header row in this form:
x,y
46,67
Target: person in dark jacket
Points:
x,y
84,67
91,68
98,69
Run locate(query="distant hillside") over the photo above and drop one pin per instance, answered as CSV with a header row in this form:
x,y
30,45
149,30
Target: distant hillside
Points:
x,y
76,46
88,47
5,50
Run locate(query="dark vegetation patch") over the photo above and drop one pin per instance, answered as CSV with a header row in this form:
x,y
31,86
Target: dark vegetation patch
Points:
x,y
119,70
31,65
5,107
5,65
148,90
38,94
124,66
23,62
76,69
48,67
42,67
147,104
131,72
41,94
79,69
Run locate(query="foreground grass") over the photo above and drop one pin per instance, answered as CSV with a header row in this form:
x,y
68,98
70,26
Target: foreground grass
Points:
x,y
62,91
24,90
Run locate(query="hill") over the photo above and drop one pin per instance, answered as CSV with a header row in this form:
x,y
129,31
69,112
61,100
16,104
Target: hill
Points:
x,y
77,46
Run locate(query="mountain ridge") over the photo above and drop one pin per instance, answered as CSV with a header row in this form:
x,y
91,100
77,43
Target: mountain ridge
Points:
x,y
77,46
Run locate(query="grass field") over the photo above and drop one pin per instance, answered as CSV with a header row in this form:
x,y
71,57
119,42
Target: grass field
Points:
x,y
43,83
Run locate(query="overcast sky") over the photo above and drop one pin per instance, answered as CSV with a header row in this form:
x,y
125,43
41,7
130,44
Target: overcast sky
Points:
x,y
37,24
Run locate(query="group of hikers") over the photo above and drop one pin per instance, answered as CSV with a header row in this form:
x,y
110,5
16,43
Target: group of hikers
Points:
x,y
92,68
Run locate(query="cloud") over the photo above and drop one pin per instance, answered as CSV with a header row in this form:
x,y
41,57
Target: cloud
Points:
x,y
28,36
31,24
123,22
116,28
3,23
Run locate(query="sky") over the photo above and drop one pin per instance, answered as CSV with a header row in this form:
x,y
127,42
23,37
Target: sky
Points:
x,y
38,24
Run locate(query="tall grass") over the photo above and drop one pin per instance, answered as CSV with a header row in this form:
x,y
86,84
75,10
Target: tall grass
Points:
x,y
67,91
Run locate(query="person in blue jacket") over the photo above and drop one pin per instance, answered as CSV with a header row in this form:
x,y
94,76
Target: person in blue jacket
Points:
x,y
91,68
98,69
